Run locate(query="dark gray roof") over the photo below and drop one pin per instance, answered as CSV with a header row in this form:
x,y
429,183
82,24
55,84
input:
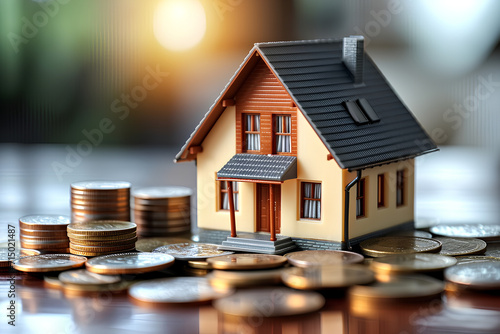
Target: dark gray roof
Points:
x,y
318,81
260,167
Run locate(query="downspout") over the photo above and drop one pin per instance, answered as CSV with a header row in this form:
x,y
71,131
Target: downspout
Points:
x,y
346,245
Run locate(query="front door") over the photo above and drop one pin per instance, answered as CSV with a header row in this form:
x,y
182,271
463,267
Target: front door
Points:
x,y
262,209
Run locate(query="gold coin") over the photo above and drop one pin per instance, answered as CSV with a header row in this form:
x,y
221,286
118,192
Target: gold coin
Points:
x,y
327,277
199,264
383,246
411,233
278,302
247,261
412,263
175,290
44,222
476,276
148,244
43,233
191,251
129,263
399,288
461,246
85,237
103,249
248,278
77,252
486,232
103,243
312,258
85,277
102,228
48,262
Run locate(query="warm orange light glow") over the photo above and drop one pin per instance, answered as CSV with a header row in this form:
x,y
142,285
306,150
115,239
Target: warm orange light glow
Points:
x,y
179,24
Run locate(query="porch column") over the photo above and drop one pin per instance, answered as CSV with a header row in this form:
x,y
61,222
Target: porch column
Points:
x,y
271,213
231,208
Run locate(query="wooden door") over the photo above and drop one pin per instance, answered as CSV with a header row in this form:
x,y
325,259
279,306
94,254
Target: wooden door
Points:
x,y
262,210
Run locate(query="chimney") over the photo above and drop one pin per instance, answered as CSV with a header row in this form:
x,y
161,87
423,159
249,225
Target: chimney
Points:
x,y
352,56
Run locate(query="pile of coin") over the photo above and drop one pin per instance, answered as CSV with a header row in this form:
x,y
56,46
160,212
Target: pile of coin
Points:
x,y
46,233
100,200
162,211
104,237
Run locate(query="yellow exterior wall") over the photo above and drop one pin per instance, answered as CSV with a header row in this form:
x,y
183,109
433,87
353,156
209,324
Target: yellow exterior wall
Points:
x,y
379,218
313,166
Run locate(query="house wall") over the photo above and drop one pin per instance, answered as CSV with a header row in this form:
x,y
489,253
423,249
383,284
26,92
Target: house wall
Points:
x,y
313,166
390,215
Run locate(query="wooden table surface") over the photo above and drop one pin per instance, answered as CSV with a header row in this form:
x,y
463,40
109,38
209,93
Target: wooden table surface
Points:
x,y
449,189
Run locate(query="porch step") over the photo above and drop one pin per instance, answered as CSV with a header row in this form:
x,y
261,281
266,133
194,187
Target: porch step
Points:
x,y
258,243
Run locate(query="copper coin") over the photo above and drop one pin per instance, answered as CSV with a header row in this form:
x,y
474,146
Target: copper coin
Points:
x,y
103,227
37,239
327,277
7,255
312,258
191,251
461,246
45,245
162,223
247,278
104,243
129,263
383,246
399,288
163,215
171,207
477,276
278,302
162,231
149,244
44,222
113,198
85,277
103,249
247,261
176,290
43,233
49,262
94,210
411,263
484,232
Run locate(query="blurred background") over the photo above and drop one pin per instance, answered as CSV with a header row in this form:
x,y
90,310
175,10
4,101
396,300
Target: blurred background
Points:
x,y
89,75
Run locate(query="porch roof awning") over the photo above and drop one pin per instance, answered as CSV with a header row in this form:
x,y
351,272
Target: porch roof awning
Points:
x,y
258,167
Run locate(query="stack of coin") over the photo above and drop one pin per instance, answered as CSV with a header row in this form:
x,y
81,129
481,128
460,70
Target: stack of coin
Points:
x,y
101,237
162,211
46,233
100,200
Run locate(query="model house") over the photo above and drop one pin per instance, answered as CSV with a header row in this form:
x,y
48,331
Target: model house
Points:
x,y
307,141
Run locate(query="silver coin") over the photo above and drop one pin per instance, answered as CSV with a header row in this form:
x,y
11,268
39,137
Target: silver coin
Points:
x,y
176,290
49,262
100,185
408,263
485,232
129,263
191,251
162,192
45,219
312,258
84,277
476,275
8,254
461,246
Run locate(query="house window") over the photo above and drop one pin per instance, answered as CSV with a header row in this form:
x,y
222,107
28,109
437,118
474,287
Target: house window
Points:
x,y
311,200
283,134
381,190
400,187
224,196
360,199
252,132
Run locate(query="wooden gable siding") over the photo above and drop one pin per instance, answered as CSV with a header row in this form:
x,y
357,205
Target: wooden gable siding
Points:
x,y
262,93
